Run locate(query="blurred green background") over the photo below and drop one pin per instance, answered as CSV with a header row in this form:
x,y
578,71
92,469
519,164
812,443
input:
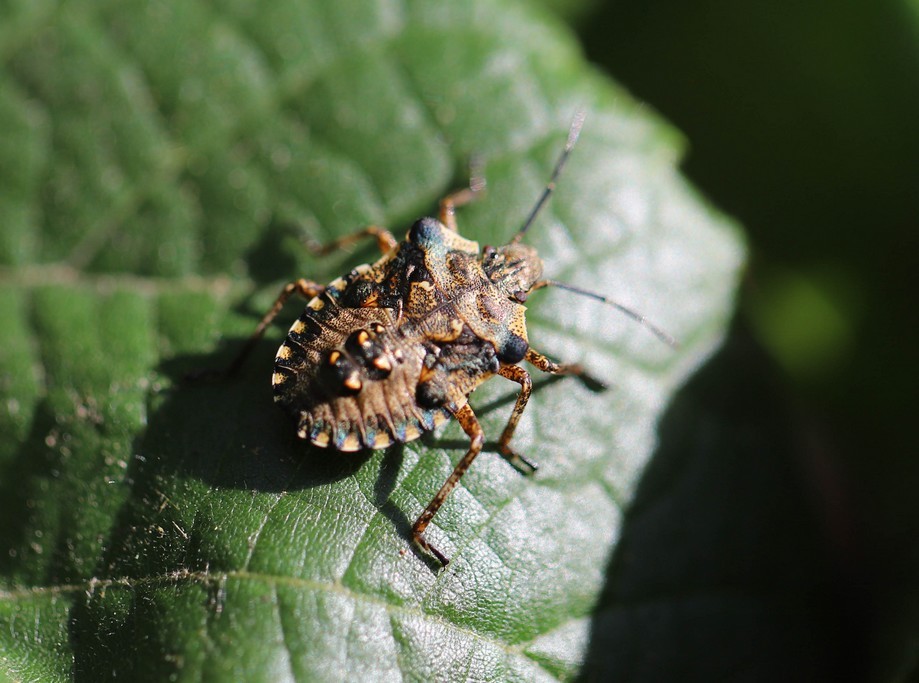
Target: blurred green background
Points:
x,y
802,121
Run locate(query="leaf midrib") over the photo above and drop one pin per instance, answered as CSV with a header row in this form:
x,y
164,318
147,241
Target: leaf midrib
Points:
x,y
211,579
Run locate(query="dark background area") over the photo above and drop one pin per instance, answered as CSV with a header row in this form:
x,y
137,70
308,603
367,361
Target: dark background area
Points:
x,y
802,122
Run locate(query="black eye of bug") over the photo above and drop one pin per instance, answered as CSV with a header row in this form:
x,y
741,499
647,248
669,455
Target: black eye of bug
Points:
x,y
425,232
513,350
520,296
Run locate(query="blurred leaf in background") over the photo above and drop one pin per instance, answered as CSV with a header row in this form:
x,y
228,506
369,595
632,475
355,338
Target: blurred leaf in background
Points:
x,y
802,121
160,165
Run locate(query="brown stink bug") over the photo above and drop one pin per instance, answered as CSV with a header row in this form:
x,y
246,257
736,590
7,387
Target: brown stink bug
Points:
x,y
395,348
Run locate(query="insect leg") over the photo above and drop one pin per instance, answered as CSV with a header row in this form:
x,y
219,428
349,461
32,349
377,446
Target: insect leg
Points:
x,y
449,204
385,241
470,424
536,359
522,377
305,288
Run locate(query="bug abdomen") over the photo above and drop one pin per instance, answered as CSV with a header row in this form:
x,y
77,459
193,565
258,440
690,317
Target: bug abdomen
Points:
x,y
349,384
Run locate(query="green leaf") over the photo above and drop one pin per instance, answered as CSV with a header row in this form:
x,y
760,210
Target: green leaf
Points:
x,y
158,155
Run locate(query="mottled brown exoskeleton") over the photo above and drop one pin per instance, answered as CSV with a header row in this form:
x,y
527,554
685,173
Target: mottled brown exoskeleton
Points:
x,y
395,348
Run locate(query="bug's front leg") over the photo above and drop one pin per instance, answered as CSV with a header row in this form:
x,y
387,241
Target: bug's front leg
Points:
x,y
522,377
305,288
470,424
385,241
536,359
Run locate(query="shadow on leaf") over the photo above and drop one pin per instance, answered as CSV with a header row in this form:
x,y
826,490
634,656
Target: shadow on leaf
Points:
x,y
723,568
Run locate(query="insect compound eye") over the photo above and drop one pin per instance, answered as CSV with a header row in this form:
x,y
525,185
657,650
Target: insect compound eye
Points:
x,y
513,349
425,232
489,252
520,296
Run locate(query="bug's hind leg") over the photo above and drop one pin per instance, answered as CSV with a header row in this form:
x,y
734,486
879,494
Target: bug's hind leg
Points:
x,y
470,424
305,288
452,201
517,374
385,241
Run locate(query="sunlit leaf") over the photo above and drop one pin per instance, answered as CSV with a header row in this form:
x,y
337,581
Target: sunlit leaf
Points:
x,y
167,159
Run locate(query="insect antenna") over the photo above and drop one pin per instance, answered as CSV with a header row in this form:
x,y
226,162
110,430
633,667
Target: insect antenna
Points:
x,y
633,314
573,133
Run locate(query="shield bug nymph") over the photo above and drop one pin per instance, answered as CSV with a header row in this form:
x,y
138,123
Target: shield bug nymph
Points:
x,y
395,348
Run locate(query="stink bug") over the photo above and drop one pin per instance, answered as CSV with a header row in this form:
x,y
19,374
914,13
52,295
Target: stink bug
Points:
x,y
395,348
